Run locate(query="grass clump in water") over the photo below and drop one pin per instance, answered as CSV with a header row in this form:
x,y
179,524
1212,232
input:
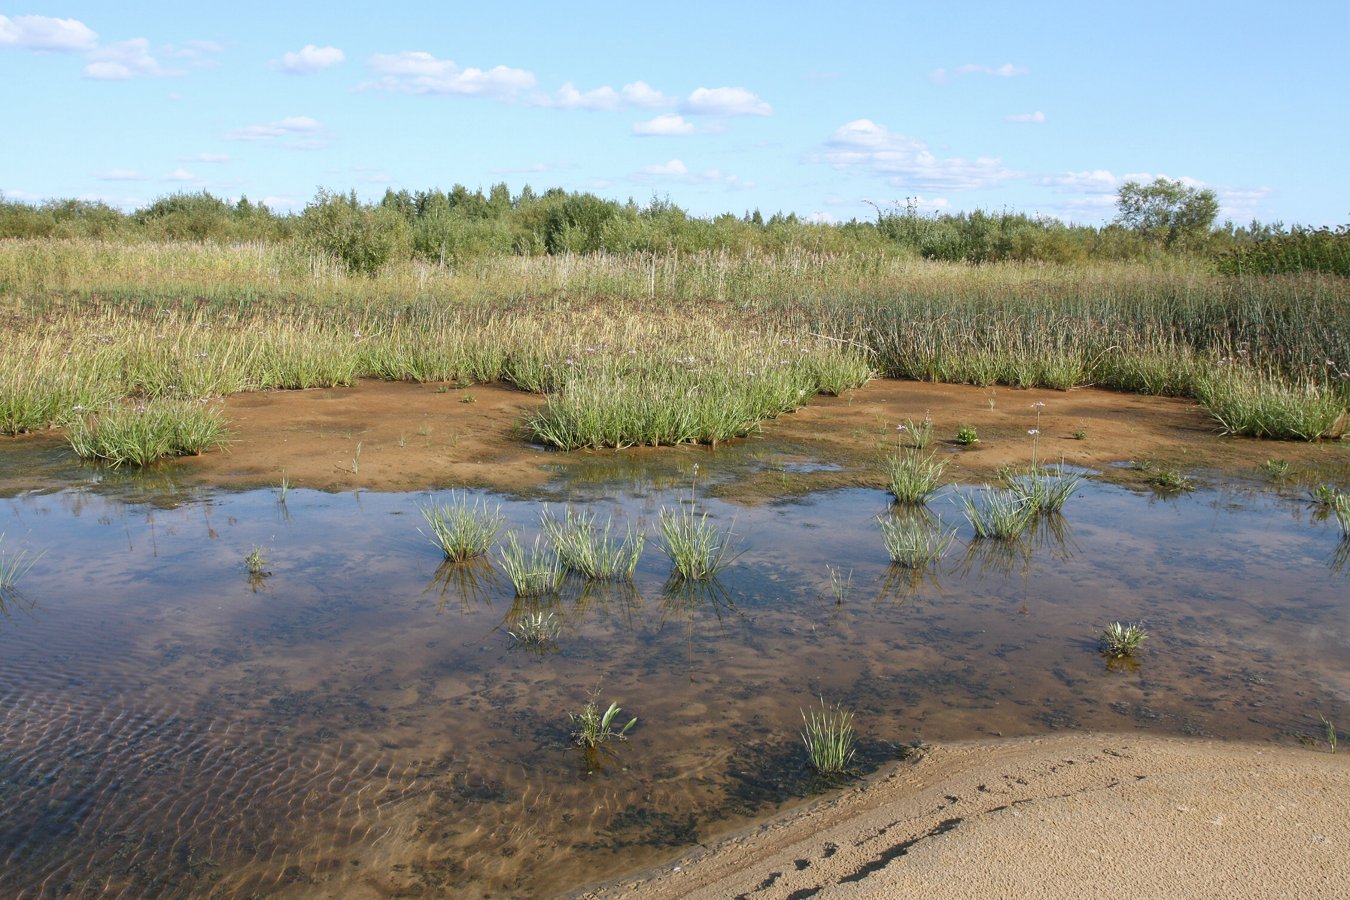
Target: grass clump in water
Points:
x,y
829,738
13,566
590,551
1043,490
537,630
593,728
256,563
1119,640
462,531
697,547
913,476
914,541
998,514
141,435
1171,481
1341,507
534,571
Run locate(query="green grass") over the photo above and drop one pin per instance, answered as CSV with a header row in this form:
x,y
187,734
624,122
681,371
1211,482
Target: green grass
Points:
x,y
143,434
536,630
913,475
1171,481
1119,640
697,548
534,571
1043,489
829,738
590,551
914,541
463,531
1341,507
593,728
967,435
920,433
13,566
1255,405
256,563
997,514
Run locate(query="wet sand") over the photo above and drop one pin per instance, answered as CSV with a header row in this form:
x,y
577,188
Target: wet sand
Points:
x,y
1079,816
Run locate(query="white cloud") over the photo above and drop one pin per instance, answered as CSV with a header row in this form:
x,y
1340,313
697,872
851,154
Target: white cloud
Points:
x,y
180,174
638,95
668,124
46,33
1007,70
123,60
120,175
1035,118
675,168
291,126
907,162
417,72
208,158
310,58
726,101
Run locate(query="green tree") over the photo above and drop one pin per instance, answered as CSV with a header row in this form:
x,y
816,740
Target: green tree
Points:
x,y
1167,212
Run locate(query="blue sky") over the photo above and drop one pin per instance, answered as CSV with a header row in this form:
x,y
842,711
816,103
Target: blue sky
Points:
x,y
814,108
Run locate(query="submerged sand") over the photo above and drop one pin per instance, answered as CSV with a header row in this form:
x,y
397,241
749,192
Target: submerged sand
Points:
x,y
1079,816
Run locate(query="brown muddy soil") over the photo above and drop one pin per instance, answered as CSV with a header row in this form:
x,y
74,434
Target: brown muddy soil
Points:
x,y
400,436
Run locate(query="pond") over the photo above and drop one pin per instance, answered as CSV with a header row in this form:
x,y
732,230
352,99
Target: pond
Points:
x,y
358,721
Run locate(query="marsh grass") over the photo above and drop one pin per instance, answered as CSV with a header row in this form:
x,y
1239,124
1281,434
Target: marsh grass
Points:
x,y
920,433
14,566
1171,481
697,548
1119,640
463,531
592,552
256,563
143,434
967,435
997,514
1341,507
829,738
841,585
913,475
1264,406
534,571
1042,489
1276,469
1330,731
536,630
593,728
915,541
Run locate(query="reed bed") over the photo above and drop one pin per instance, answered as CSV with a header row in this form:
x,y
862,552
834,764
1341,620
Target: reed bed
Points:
x,y
630,348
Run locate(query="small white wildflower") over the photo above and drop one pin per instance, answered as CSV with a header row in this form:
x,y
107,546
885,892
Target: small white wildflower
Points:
x,y
1039,404
1033,431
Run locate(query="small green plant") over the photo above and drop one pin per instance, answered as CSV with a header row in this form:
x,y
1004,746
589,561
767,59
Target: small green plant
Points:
x,y
1171,481
998,514
829,738
1080,434
462,531
920,433
1331,731
967,435
1341,506
535,571
1276,469
536,630
1324,495
356,459
840,585
468,398
256,563
913,476
914,541
283,489
593,728
696,546
1119,640
14,566
590,551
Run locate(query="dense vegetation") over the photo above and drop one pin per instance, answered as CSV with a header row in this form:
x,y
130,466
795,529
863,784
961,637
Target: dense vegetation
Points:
x,y
645,325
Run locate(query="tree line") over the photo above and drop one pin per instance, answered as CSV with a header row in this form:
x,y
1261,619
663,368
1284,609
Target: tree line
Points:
x,y
447,227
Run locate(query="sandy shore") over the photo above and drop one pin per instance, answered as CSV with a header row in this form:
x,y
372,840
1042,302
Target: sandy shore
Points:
x,y
1078,816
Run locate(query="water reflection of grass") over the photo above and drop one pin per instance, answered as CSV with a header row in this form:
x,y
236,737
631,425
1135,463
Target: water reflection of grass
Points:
x,y
469,584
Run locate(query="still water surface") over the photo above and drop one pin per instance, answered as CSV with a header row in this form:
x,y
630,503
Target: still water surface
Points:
x,y
359,722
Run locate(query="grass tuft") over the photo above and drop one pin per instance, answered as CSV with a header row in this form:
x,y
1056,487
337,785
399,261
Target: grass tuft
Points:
x,y
592,552
13,566
696,546
462,531
534,571
998,514
537,630
914,541
913,476
1042,489
1119,640
829,738
140,435
593,727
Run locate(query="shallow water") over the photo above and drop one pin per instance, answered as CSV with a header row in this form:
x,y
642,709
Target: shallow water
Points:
x,y
359,722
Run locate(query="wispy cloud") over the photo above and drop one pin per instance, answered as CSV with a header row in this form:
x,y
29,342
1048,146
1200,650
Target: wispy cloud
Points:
x,y
676,170
725,101
46,33
120,175
123,60
417,72
1033,118
637,95
297,132
906,162
665,125
1007,70
309,59
208,158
